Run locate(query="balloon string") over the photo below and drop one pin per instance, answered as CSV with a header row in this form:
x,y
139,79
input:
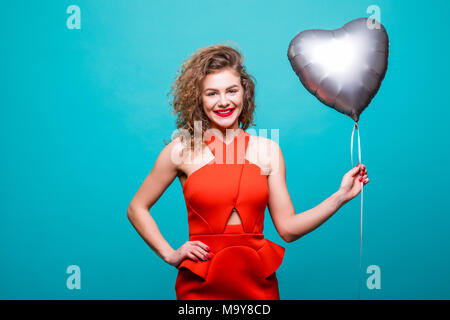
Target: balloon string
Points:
x,y
362,189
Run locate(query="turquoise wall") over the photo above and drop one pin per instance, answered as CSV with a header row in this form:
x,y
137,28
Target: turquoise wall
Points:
x,y
84,113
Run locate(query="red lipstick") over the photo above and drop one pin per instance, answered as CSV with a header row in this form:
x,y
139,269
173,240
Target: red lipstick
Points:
x,y
225,114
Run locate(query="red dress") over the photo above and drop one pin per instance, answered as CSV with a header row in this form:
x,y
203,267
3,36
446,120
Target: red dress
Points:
x,y
243,262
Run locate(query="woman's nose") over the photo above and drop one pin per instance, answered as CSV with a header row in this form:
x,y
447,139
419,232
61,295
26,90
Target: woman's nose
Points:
x,y
223,100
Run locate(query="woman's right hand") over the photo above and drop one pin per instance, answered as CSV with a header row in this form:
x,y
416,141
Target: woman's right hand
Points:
x,y
193,250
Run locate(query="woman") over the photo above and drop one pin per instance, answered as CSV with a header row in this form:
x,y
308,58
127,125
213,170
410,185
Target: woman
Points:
x,y
228,178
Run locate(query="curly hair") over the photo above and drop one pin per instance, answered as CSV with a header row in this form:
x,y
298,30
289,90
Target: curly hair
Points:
x,y
187,88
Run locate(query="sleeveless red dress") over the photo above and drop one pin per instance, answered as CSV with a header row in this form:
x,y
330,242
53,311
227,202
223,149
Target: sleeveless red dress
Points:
x,y
243,263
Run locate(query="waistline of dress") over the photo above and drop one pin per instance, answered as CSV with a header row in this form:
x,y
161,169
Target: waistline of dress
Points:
x,y
219,241
271,254
250,234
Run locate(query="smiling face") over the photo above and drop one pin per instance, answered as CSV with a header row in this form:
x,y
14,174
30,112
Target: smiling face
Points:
x,y
223,98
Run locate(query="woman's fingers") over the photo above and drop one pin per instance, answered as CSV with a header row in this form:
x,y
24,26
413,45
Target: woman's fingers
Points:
x,y
191,256
363,175
364,179
201,245
362,170
200,253
197,250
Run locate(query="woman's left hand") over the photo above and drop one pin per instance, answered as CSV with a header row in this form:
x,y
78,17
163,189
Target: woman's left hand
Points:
x,y
353,181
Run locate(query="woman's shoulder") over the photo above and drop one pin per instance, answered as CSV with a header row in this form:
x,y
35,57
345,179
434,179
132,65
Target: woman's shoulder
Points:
x,y
264,152
173,152
264,142
180,153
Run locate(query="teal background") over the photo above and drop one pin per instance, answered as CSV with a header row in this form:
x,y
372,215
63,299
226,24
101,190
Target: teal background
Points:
x,y
84,114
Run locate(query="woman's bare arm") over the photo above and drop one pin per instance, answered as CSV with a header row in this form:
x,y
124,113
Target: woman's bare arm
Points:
x,y
161,176
164,171
292,226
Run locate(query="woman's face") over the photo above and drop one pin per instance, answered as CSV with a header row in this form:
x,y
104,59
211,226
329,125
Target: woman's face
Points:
x,y
223,98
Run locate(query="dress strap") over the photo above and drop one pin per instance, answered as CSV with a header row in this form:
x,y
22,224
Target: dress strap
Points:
x,y
231,153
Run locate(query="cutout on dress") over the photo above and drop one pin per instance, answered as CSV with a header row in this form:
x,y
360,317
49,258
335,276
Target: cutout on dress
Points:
x,y
234,213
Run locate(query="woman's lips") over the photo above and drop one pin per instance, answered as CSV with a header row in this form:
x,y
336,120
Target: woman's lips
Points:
x,y
225,114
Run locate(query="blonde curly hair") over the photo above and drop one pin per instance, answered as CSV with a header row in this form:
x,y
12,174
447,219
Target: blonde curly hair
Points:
x,y
187,88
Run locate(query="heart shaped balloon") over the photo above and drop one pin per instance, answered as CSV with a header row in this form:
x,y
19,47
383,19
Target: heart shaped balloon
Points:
x,y
343,68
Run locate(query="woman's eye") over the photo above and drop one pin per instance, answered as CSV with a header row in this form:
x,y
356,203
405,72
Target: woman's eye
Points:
x,y
211,93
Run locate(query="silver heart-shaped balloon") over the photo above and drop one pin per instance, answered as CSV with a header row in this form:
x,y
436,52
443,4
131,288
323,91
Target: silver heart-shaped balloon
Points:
x,y
343,68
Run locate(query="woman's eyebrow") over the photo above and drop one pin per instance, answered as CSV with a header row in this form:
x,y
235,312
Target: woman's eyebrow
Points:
x,y
234,85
